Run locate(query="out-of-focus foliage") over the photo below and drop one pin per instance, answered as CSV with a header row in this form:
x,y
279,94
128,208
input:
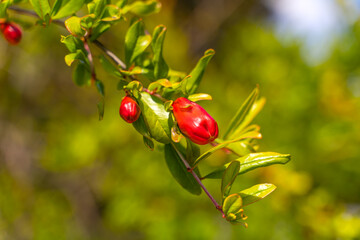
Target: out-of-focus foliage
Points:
x,y
65,175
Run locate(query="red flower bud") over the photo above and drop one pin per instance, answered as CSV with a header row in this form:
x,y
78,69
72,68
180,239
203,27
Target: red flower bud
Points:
x,y
12,32
194,122
129,109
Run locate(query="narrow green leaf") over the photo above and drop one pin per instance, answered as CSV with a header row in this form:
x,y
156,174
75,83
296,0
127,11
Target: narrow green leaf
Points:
x,y
141,44
100,87
3,7
156,117
81,74
229,177
197,73
121,3
72,43
254,111
98,8
261,159
101,109
232,204
41,7
256,193
141,126
179,171
224,144
253,161
199,96
57,5
131,37
68,8
242,112
143,8
136,71
73,25
161,69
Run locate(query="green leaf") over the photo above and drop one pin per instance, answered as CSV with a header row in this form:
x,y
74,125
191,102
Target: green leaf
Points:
x,y
135,71
161,69
87,21
232,204
81,74
134,32
101,109
109,67
253,161
73,25
179,171
141,44
78,55
97,7
224,144
256,193
67,8
121,3
143,8
141,126
3,7
149,143
242,112
197,73
72,43
156,117
199,96
262,159
99,29
100,87
229,177
41,7
111,13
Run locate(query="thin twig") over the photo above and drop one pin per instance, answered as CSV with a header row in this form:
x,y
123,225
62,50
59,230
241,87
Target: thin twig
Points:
x,y
110,54
188,167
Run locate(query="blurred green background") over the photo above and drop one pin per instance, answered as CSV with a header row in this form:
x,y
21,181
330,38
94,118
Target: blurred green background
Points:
x,y
66,175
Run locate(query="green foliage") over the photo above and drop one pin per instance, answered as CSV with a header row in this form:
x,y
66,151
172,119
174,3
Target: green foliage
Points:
x,y
178,169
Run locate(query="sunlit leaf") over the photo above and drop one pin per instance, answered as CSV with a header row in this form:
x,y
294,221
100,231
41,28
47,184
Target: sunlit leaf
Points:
x,y
256,193
242,112
73,25
141,44
156,117
67,8
232,204
199,96
261,159
253,161
143,8
109,67
197,73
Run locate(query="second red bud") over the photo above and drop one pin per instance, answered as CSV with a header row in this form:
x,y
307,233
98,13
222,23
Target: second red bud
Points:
x,y
129,109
